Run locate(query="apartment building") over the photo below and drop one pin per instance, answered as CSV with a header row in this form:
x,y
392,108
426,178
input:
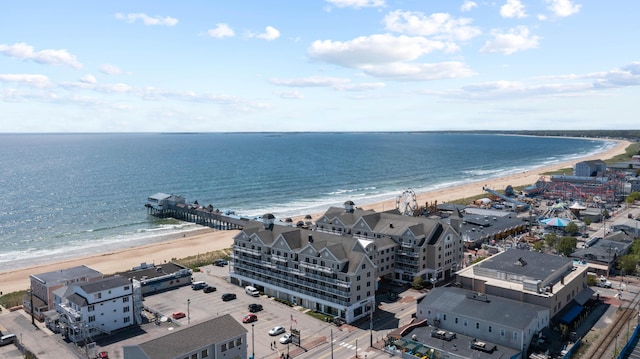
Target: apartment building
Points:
x,y
334,269
99,307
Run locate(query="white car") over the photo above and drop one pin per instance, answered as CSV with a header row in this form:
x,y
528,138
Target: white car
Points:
x,y
285,339
276,330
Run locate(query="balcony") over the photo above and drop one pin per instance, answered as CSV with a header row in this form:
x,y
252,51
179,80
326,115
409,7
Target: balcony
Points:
x,y
278,258
73,315
315,267
254,252
407,253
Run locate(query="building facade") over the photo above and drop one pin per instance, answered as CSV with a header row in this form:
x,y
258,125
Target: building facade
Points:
x,y
100,307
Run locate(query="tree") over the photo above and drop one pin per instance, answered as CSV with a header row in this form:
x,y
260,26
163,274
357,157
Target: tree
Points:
x,y
418,282
587,222
571,228
566,245
550,239
632,197
538,246
628,263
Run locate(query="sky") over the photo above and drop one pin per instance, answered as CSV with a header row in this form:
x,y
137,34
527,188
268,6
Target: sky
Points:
x,y
318,65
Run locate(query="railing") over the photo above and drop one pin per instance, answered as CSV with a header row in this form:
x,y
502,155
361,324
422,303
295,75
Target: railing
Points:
x,y
247,250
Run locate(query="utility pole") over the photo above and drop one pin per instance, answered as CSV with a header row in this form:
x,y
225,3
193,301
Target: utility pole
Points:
x,y
188,312
253,348
371,323
332,341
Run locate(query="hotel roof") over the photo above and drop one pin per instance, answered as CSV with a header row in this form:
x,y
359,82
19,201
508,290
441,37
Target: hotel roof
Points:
x,y
64,275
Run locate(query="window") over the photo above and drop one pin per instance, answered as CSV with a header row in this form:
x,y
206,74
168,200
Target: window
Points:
x,y
456,320
91,308
126,309
232,344
358,278
490,329
358,288
465,323
502,332
126,287
92,318
125,299
368,284
224,347
194,356
239,341
127,319
444,317
364,266
477,325
204,354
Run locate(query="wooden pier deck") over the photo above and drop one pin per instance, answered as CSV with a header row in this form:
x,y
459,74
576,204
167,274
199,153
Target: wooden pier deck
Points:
x,y
169,206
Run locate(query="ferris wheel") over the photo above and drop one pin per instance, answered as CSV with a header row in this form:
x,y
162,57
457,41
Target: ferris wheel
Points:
x,y
407,203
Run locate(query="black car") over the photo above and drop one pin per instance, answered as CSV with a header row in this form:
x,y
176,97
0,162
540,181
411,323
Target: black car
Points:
x,y
209,289
253,308
228,296
220,262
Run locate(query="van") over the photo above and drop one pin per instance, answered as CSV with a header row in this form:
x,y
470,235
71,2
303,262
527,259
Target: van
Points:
x,y
251,291
7,339
198,285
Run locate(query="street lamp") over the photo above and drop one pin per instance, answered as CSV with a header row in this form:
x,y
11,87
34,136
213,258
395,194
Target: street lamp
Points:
x,y
188,312
253,348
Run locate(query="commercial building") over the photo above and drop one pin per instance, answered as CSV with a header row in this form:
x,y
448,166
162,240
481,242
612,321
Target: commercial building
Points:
x,y
220,337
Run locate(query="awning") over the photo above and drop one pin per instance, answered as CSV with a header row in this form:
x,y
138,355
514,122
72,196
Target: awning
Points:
x,y
584,296
572,314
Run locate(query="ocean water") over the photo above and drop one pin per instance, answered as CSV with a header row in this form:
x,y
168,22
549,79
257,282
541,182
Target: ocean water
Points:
x,y
66,195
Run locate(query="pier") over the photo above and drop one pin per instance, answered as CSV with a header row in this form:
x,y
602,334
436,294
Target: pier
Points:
x,y
163,205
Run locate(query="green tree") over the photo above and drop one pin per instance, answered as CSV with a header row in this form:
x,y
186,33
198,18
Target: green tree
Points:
x,y
538,246
635,248
628,263
632,197
566,245
418,282
551,239
587,222
571,228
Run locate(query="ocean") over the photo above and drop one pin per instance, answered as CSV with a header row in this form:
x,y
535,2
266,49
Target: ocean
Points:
x,y
69,195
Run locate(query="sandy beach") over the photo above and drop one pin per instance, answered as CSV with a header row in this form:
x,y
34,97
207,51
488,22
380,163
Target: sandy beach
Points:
x,y
208,240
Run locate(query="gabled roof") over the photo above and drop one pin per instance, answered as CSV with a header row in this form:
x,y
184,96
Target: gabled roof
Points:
x,y
184,341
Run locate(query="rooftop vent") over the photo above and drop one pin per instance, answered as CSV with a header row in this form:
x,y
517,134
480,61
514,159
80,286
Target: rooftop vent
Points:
x,y
520,262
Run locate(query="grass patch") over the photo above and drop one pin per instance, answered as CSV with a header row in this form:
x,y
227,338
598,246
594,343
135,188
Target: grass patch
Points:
x,y
12,299
202,259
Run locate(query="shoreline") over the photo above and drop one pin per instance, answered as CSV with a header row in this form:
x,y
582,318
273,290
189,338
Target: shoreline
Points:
x,y
179,245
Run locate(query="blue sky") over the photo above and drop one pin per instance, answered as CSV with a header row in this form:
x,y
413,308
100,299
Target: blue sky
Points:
x,y
318,65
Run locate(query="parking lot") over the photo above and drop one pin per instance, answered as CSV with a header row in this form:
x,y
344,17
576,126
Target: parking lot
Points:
x,y
199,306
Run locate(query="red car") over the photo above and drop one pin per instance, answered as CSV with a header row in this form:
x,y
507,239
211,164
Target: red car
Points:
x,y
103,355
250,318
178,315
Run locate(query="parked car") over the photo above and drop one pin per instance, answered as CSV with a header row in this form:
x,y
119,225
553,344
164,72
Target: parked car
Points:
x,y
7,339
198,285
228,296
253,307
220,262
285,339
178,315
209,289
103,355
276,331
250,318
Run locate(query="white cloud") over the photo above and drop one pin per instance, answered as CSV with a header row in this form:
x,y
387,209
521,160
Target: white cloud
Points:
x,y
517,39
358,4
89,79
372,50
221,31
48,57
34,80
563,8
513,8
110,69
468,5
270,33
419,72
438,25
290,95
147,20
336,83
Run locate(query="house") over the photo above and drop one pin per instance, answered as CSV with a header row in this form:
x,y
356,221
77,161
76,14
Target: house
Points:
x,y
489,318
601,256
157,278
98,307
220,337
43,285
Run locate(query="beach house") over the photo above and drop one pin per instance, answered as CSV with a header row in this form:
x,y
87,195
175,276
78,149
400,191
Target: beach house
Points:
x,y
42,286
99,307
